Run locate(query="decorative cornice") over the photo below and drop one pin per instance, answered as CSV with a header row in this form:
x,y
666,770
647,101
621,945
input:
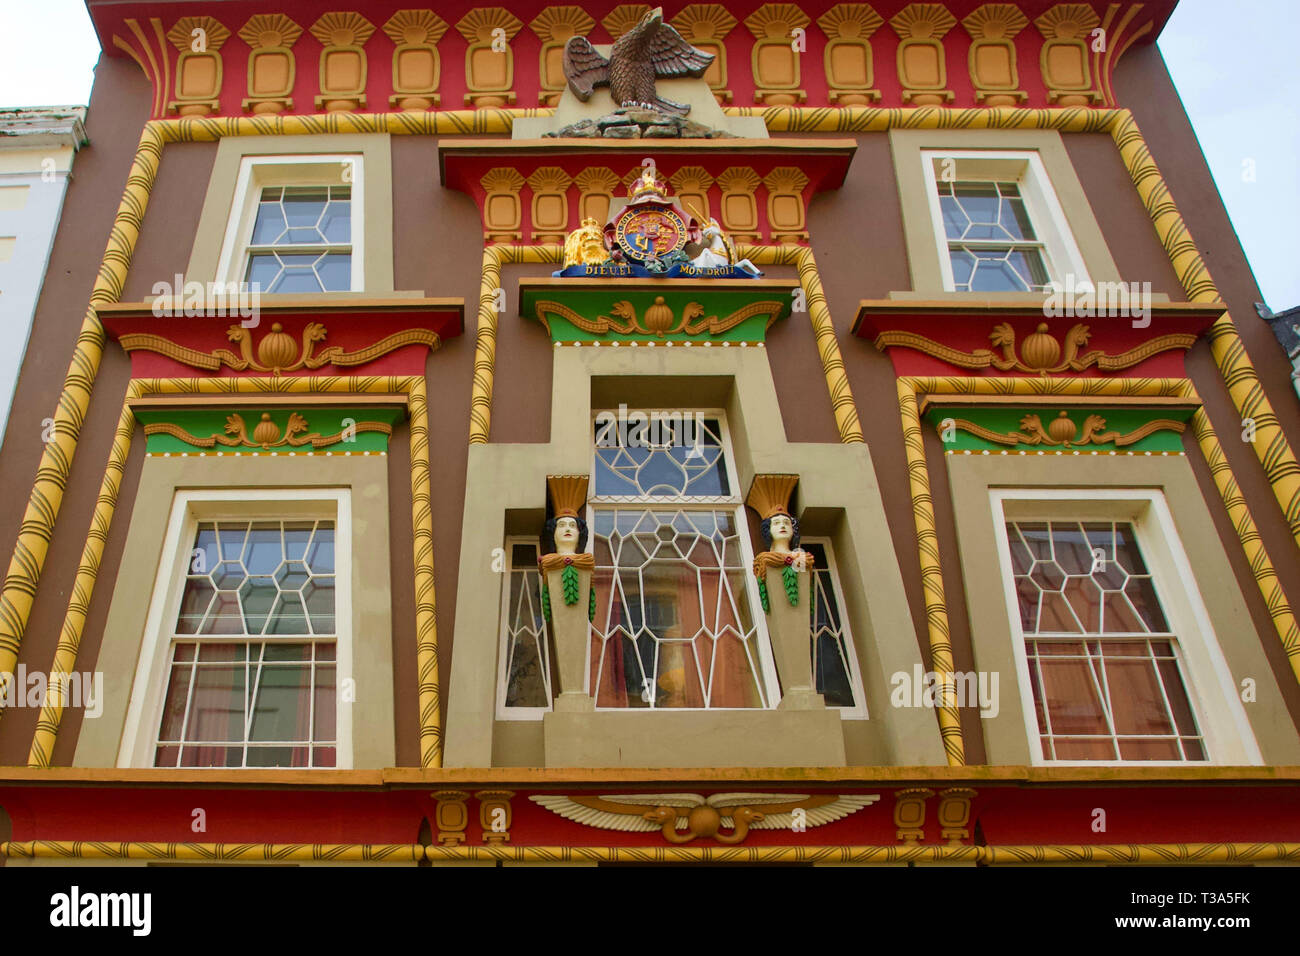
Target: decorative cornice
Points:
x,y
277,352
658,319
1040,353
266,434
1063,432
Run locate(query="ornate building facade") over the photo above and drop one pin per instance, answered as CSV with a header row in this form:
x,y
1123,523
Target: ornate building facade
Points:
x,y
836,451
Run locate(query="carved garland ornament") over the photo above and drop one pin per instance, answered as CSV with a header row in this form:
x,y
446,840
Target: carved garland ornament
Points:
x,y
1040,352
658,319
1063,432
683,817
277,352
266,434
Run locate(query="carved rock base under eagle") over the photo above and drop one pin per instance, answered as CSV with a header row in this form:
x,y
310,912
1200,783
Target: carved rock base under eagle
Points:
x,y
632,122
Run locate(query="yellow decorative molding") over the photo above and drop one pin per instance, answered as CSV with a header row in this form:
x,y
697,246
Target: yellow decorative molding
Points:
x,y
909,814
691,186
848,62
596,186
494,816
707,25
489,59
739,210
992,57
1066,30
271,64
503,213
775,62
554,26
922,69
343,64
1167,854
954,814
623,18
277,352
550,206
199,66
785,203
417,68
1040,352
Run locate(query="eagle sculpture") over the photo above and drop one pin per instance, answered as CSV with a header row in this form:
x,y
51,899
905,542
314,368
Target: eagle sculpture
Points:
x,y
651,48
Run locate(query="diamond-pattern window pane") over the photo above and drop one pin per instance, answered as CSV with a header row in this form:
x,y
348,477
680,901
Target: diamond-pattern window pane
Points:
x,y
673,627
672,457
249,705
301,240
992,245
239,700
1112,699
830,649
528,666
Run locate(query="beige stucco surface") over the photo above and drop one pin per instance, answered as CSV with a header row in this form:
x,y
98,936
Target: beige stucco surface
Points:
x,y
377,170
838,483
918,225
373,742
972,477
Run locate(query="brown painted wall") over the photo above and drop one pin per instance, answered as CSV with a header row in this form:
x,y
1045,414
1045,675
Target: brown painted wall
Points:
x,y
119,106
1142,83
437,244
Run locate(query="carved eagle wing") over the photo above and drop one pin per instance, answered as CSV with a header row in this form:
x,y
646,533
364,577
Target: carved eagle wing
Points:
x,y
673,56
624,811
584,68
778,808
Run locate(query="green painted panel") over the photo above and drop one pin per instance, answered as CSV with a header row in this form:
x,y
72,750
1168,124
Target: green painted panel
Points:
x,y
206,422
1004,420
657,315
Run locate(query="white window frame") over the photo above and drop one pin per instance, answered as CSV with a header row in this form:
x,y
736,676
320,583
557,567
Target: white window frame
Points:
x,y
1060,251
503,656
734,503
258,172
148,692
859,710
1211,691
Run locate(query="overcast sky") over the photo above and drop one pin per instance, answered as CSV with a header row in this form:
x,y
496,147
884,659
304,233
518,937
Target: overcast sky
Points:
x,y
1234,64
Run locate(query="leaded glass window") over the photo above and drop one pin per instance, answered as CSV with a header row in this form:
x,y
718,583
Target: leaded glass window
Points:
x,y
992,244
676,625
252,674
1104,665
834,663
527,661
302,240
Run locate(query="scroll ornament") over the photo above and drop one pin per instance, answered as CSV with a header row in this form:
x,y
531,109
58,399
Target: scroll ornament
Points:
x,y
278,352
1040,352
1063,432
658,319
266,434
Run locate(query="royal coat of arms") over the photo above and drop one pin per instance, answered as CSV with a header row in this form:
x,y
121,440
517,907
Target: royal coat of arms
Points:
x,y
653,236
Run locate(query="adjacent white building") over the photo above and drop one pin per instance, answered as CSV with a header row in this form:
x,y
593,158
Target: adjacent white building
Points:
x,y
37,149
